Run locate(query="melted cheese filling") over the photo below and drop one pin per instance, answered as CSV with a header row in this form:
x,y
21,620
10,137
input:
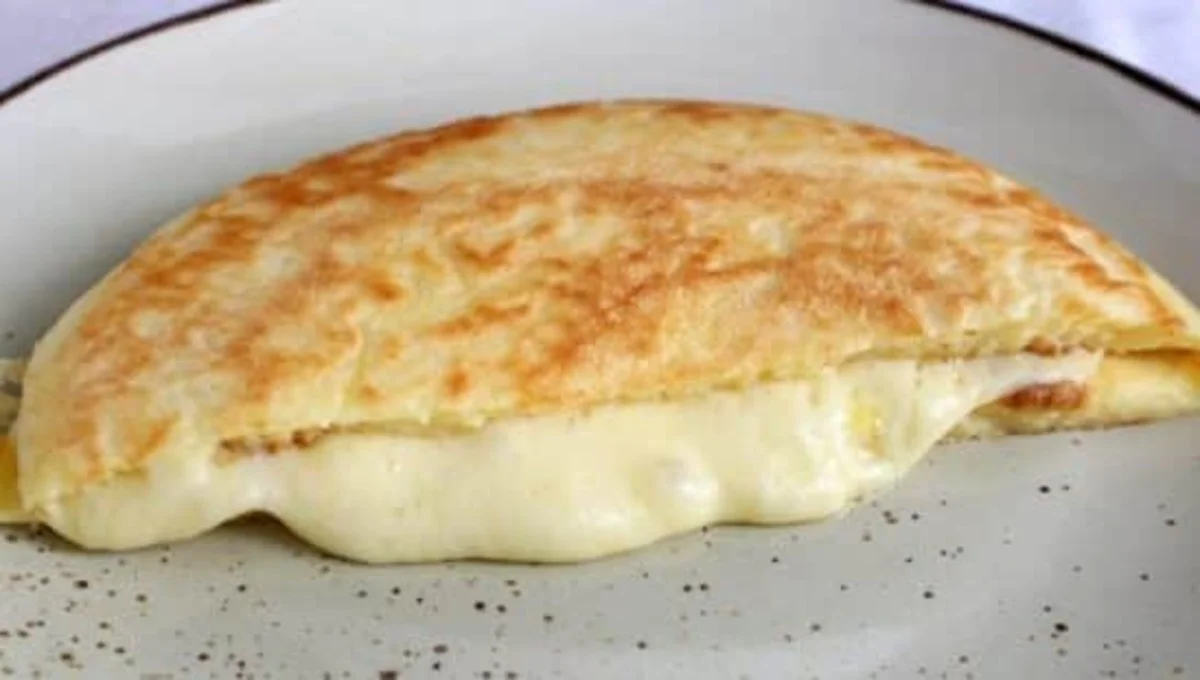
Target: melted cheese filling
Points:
x,y
570,487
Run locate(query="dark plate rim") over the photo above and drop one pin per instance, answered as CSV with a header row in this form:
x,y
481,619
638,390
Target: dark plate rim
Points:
x,y
1145,79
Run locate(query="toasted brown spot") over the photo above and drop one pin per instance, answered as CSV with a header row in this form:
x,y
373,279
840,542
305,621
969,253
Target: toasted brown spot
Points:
x,y
384,289
486,258
457,383
149,439
369,393
940,163
305,438
410,148
392,348
561,110
425,262
283,191
1063,395
542,229
238,448
894,144
702,112
978,199
481,317
1044,347
270,445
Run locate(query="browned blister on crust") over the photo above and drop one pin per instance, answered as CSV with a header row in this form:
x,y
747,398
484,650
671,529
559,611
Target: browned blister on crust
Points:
x,y
561,258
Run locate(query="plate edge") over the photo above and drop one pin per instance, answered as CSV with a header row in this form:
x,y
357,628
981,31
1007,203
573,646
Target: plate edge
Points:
x,y
41,75
1139,76
1071,46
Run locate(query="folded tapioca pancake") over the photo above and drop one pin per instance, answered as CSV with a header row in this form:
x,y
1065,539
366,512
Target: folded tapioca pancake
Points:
x,y
563,333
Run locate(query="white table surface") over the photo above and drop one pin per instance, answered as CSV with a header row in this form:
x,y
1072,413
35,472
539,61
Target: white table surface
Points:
x,y
1158,36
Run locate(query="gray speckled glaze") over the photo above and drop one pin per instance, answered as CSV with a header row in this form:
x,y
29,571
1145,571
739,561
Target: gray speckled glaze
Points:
x,y
1062,556
920,582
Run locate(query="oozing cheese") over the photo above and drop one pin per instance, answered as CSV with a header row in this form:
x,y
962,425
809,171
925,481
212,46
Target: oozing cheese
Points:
x,y
568,487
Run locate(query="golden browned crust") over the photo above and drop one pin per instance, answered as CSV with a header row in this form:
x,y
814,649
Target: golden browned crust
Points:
x,y
1057,395
559,258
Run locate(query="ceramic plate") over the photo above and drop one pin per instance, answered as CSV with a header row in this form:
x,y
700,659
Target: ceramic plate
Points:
x,y
1072,556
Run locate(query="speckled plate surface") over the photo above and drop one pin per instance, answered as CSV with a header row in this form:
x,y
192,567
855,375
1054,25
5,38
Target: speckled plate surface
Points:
x,y
1064,556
